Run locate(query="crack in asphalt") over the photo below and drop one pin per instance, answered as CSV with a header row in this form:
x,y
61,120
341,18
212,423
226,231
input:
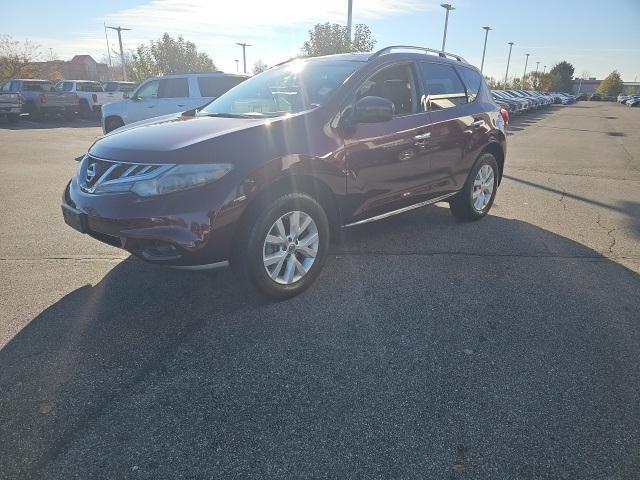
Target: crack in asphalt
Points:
x,y
562,195
564,174
609,232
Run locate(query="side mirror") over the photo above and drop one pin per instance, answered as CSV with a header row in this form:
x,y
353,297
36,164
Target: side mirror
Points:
x,y
135,98
373,110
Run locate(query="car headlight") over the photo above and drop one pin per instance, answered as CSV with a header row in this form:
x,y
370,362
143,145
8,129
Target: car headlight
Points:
x,y
181,177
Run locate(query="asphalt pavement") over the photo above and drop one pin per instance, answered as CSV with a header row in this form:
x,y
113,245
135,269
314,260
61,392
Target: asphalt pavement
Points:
x,y
428,348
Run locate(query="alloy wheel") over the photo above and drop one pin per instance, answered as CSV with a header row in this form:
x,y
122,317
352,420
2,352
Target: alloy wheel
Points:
x,y
483,187
290,247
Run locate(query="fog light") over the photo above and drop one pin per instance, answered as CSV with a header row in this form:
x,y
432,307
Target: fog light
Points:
x,y
158,251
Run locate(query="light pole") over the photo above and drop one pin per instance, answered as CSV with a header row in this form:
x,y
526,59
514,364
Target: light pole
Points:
x,y
537,65
237,65
525,69
124,68
506,74
349,18
244,54
106,37
447,7
484,50
544,69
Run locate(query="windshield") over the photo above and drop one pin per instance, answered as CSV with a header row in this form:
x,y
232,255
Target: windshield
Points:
x,y
294,87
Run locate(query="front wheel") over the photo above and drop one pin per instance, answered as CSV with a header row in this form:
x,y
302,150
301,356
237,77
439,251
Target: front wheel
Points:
x,y
286,246
476,197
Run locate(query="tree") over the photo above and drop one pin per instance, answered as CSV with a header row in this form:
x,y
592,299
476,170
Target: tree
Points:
x,y
562,74
16,57
167,55
612,85
331,38
259,67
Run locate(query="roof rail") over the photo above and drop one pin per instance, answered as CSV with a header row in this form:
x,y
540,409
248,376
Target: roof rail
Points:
x,y
422,49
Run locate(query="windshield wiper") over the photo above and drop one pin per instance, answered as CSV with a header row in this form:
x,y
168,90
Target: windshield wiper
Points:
x,y
225,115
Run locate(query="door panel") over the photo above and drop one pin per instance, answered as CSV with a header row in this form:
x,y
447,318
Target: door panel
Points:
x,y
387,163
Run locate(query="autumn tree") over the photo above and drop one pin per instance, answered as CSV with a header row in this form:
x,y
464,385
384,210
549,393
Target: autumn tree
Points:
x,y
16,57
612,85
167,55
259,67
331,38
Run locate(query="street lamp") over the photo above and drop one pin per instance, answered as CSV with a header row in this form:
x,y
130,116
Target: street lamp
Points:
x,y
447,7
544,69
237,65
486,34
244,54
349,17
537,65
506,74
124,69
525,69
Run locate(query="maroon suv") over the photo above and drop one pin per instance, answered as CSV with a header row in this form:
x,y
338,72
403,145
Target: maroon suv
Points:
x,y
264,175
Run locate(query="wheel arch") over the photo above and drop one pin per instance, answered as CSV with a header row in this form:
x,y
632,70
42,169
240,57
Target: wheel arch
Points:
x,y
496,149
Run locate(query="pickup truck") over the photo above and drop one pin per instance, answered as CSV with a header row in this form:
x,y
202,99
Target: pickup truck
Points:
x,y
91,95
38,98
10,106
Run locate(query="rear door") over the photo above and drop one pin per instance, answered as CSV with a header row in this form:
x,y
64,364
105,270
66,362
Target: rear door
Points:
x,y
444,94
387,163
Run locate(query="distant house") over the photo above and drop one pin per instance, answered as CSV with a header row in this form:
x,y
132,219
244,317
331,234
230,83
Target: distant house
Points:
x,y
80,67
590,85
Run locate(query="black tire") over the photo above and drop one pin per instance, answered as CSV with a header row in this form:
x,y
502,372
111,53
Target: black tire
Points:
x,y
13,117
461,204
69,115
112,123
248,261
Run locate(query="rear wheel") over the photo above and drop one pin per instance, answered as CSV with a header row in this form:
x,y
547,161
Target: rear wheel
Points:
x,y
476,197
286,246
13,117
112,123
85,109
69,115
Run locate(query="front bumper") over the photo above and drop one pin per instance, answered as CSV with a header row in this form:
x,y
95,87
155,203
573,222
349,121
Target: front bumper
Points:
x,y
190,229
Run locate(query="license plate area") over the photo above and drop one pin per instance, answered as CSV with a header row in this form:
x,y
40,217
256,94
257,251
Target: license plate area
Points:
x,y
75,219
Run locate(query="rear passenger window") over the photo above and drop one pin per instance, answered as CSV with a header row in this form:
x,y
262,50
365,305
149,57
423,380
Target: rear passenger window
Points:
x,y
442,87
216,86
396,84
472,81
173,88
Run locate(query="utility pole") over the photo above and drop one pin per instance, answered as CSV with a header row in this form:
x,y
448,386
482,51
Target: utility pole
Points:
x,y
525,69
106,37
506,74
349,20
447,7
486,34
124,67
244,54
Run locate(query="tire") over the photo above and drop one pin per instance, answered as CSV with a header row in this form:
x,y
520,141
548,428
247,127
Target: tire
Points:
x,y
464,206
13,117
289,258
112,123
69,115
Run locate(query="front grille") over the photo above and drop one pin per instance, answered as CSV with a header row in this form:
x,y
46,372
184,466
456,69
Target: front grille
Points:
x,y
96,174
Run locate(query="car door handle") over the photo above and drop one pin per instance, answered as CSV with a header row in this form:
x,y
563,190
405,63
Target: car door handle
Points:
x,y
422,137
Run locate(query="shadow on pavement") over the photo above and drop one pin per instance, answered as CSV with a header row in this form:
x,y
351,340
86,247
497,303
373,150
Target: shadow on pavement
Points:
x,y
426,349
48,122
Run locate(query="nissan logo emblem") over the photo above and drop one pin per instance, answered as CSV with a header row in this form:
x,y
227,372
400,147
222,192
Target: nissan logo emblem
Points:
x,y
91,172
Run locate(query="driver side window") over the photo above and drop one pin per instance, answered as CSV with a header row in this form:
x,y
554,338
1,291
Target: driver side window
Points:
x,y
149,90
396,84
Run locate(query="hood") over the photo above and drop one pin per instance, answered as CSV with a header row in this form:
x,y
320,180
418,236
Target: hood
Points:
x,y
175,138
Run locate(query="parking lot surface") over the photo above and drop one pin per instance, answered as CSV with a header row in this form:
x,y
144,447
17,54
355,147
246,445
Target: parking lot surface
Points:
x,y
428,348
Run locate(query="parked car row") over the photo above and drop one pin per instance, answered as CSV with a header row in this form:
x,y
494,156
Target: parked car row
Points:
x,y
37,97
517,101
629,100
